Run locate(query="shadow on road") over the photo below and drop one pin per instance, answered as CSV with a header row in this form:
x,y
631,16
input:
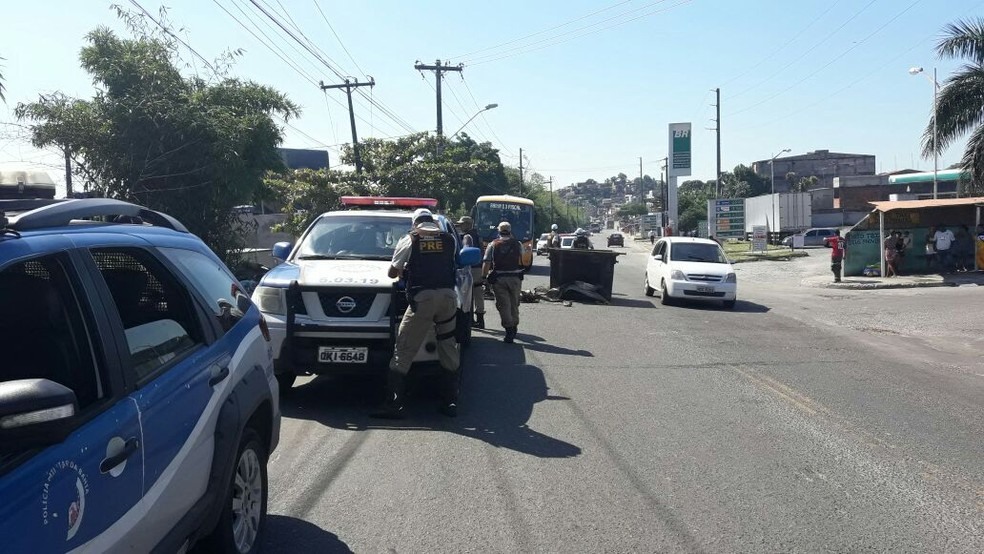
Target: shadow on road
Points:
x,y
631,302
741,306
289,535
498,393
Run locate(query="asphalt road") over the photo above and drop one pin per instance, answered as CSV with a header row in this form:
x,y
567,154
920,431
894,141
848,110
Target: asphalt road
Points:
x,y
790,424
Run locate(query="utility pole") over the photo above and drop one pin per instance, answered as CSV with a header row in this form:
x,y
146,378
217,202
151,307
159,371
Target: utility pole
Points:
x,y
68,173
439,70
520,171
552,215
662,192
717,129
348,86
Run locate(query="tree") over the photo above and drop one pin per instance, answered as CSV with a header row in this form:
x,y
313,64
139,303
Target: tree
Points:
x,y
633,209
959,105
805,184
182,145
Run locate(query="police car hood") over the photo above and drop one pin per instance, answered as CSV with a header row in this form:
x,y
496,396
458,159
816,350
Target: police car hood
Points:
x,y
344,273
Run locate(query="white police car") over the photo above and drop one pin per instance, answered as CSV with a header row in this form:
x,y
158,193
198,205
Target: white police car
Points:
x,y
330,306
138,404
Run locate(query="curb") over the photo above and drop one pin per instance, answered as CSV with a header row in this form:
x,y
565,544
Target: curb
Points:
x,y
878,286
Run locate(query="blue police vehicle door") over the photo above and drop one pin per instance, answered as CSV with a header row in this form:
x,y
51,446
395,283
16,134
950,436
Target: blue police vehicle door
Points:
x,y
175,363
62,496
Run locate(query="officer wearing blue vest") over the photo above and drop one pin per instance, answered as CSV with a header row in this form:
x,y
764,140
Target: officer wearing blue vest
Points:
x,y
426,257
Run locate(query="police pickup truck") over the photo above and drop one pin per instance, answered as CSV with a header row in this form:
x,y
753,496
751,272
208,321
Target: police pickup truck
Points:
x,y
330,306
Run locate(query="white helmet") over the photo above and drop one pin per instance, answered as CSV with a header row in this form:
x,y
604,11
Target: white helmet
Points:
x,y
553,227
580,232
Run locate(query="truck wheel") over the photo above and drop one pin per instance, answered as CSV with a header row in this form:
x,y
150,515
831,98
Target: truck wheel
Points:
x,y
243,517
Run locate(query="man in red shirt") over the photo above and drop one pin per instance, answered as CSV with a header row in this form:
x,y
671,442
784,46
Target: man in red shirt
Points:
x,y
837,244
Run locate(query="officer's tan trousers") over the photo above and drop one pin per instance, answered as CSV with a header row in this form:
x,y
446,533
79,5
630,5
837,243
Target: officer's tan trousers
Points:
x,y
435,309
507,291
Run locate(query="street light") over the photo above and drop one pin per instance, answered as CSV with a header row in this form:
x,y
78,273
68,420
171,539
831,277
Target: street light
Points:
x,y
936,156
772,171
485,109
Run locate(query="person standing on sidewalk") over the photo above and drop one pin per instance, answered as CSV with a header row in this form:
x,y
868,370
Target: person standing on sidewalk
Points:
x,y
469,237
837,244
426,257
943,238
504,271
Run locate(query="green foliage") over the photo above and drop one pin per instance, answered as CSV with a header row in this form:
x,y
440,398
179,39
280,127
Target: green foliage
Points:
x,y
191,148
958,107
456,175
805,184
634,209
692,197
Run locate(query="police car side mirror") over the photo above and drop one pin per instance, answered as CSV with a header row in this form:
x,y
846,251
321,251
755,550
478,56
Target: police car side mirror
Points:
x,y
35,413
281,250
469,256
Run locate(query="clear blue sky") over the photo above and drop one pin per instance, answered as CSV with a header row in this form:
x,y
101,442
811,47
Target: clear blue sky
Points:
x,y
585,97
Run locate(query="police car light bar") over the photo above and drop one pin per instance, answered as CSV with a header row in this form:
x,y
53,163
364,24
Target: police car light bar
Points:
x,y
389,201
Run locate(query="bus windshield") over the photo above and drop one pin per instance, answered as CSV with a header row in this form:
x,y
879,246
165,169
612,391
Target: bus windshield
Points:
x,y
488,215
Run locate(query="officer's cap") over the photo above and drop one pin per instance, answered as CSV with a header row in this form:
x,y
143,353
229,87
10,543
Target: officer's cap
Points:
x,y
465,219
423,219
505,227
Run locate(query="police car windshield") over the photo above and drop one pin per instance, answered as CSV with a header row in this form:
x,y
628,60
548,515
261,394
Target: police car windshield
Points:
x,y
362,237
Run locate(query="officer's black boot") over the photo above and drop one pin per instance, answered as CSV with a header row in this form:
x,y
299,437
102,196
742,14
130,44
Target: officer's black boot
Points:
x,y
510,335
392,407
449,394
479,321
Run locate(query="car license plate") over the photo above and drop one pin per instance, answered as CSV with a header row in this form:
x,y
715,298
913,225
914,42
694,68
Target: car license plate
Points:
x,y
705,289
342,355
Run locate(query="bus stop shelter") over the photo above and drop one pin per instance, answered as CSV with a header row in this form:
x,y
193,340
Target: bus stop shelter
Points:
x,y
864,240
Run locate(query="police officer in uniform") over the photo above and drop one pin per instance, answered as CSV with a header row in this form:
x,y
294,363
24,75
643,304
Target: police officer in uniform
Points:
x,y
469,237
581,240
503,269
426,257
554,239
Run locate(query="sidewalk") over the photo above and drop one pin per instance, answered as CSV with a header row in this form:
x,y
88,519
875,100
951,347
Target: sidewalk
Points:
x,y
903,282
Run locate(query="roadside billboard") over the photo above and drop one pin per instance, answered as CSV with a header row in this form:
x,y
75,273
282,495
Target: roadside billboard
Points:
x,y
680,155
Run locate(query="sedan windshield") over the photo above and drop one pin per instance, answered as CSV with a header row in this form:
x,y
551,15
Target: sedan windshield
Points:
x,y
697,252
355,236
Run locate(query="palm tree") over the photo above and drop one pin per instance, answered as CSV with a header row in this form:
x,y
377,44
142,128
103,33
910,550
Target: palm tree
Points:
x,y
960,105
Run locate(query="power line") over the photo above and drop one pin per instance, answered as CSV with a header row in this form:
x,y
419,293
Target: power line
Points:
x,y
277,50
327,62
520,51
827,36
543,31
484,119
831,62
174,36
837,92
338,38
289,63
775,51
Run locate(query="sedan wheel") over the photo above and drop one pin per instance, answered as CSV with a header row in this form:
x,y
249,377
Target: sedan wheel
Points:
x,y
664,295
650,291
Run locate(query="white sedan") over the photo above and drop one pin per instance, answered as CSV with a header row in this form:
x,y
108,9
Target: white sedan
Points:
x,y
690,268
